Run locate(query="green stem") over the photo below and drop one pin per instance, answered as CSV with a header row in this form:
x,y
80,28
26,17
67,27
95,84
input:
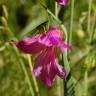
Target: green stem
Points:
x,y
86,71
58,88
89,16
56,10
85,83
88,29
24,70
22,64
71,22
53,16
34,79
65,54
93,31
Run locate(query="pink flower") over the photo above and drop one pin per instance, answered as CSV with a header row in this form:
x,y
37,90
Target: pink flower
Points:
x,y
62,2
46,64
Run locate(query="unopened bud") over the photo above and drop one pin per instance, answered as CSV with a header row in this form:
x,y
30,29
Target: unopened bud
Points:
x,y
5,12
4,21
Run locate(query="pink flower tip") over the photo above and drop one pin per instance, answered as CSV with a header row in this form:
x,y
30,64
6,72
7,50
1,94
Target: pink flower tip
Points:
x,y
62,2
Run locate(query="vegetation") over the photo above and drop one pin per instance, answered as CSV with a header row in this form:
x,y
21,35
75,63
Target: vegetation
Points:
x,y
77,21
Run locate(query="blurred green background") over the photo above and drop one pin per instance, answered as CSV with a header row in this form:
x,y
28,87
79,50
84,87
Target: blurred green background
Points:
x,y
19,18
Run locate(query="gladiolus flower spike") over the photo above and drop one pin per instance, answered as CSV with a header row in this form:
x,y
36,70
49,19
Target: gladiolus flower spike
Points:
x,y
46,64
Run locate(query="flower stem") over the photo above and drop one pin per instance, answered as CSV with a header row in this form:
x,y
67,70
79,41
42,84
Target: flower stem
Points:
x,y
58,88
88,29
34,79
24,70
56,9
21,62
71,22
89,16
65,54
93,25
85,83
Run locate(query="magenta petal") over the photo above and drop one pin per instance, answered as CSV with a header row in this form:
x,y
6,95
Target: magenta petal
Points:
x,y
49,39
48,74
48,71
42,59
63,46
45,57
53,32
54,41
60,70
37,71
62,2
30,44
